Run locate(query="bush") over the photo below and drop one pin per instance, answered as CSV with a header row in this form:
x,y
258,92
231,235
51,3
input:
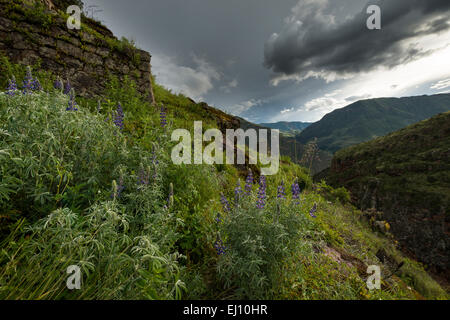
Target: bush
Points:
x,y
258,243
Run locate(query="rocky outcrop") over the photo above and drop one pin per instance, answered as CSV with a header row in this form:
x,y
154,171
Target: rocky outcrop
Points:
x,y
405,175
32,33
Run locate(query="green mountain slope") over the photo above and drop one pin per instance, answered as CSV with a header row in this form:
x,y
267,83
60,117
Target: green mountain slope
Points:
x,y
368,119
406,175
288,127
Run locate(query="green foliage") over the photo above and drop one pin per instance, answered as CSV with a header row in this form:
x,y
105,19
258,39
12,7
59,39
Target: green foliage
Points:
x,y
258,244
61,196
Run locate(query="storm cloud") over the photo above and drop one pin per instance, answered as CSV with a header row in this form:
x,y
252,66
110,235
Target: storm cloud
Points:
x,y
313,43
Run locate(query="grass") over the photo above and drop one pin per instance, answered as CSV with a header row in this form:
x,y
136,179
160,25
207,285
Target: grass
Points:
x,y
62,177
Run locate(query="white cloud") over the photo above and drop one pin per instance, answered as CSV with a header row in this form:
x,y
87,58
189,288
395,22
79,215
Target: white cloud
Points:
x,y
232,84
441,84
287,110
240,108
192,82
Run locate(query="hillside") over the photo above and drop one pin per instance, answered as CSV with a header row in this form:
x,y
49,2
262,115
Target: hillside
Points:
x,y
405,175
286,127
368,119
89,181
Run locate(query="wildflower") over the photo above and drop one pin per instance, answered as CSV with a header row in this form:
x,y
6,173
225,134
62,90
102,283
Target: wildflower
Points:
x,y
237,191
12,87
162,116
249,183
281,194
118,118
143,178
72,104
313,210
296,192
261,202
67,87
218,218
225,203
117,189
27,82
220,248
58,84
36,85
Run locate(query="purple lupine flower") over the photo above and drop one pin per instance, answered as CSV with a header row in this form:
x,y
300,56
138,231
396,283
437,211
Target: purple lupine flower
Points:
x,y
249,183
225,203
296,192
58,84
118,188
162,116
27,82
118,118
67,87
36,85
143,178
313,210
12,87
281,194
220,248
261,202
237,191
72,104
218,218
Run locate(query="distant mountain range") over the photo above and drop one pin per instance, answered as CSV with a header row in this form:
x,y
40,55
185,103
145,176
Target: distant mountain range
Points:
x,y
368,119
406,175
288,127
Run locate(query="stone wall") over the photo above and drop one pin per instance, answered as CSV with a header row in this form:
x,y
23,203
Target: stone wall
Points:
x,y
31,32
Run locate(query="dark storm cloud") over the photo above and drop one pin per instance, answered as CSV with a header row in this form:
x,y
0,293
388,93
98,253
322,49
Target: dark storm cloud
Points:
x,y
314,43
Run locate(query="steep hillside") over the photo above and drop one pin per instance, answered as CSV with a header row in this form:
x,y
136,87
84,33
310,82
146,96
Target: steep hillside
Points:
x,y
91,182
405,175
286,127
368,119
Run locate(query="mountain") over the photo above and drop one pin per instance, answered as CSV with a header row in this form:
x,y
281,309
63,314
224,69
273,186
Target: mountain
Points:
x,y
88,180
368,119
288,127
290,147
405,175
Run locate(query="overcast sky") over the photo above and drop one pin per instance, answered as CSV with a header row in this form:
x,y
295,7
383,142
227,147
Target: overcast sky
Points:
x,y
293,60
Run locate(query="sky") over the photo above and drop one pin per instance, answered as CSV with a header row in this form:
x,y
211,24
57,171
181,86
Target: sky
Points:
x,y
287,60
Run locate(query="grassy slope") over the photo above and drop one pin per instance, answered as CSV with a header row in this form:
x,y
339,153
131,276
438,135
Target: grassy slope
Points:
x,y
367,119
310,273
407,172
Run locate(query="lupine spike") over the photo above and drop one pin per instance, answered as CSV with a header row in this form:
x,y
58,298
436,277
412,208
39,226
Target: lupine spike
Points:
x,y
12,87
225,203
281,194
58,84
249,182
313,210
67,87
261,202
163,116
296,192
72,104
119,116
218,245
27,81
